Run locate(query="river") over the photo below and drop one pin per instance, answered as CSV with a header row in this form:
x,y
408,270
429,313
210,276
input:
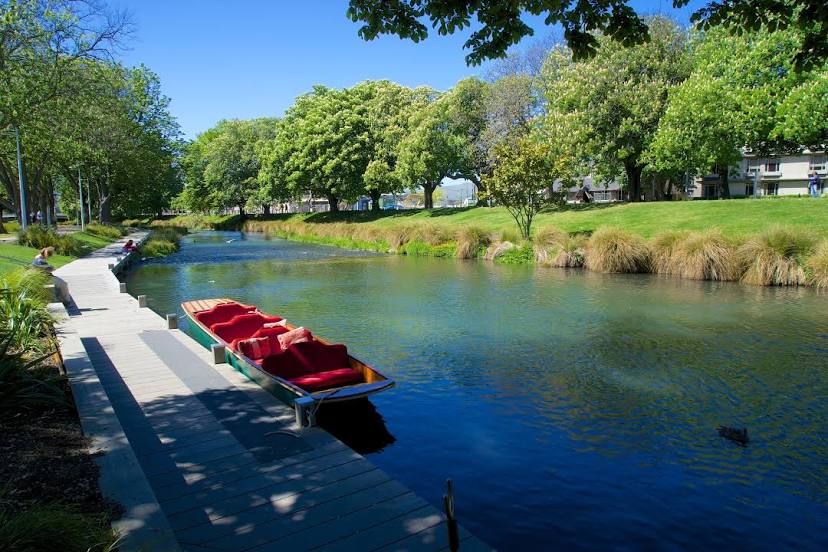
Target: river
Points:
x,y
573,410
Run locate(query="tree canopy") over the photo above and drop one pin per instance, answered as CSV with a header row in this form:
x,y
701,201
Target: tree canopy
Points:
x,y
501,24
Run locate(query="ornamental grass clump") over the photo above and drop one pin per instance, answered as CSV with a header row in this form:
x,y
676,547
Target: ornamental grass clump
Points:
x,y
816,267
616,250
471,241
662,247
41,528
776,257
108,231
704,256
498,249
547,243
39,237
23,315
162,241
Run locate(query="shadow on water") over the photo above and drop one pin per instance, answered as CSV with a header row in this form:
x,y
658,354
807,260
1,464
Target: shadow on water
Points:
x,y
358,424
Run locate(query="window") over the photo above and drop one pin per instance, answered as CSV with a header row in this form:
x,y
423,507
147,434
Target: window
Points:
x,y
772,166
772,189
818,164
748,190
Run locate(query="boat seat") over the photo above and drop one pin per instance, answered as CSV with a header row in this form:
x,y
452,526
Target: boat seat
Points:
x,y
222,313
313,365
271,335
242,326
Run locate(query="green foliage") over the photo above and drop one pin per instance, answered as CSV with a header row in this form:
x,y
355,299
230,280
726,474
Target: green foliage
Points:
x,y
25,384
109,231
39,237
523,254
23,314
40,527
162,241
11,226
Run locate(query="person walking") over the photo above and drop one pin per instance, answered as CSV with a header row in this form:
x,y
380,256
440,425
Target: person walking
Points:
x,y
814,184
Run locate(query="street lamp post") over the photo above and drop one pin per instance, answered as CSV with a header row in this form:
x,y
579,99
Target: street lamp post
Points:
x,y
80,187
24,212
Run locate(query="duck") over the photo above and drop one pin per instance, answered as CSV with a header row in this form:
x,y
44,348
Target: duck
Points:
x,y
734,434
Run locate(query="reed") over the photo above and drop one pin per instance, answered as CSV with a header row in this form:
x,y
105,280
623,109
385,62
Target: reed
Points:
x,y
615,250
471,240
817,266
547,243
776,257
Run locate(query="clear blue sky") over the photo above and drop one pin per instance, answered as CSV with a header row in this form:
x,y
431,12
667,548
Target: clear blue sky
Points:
x,y
251,58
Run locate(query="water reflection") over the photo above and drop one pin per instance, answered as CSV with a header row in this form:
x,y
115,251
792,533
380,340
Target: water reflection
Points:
x,y
568,406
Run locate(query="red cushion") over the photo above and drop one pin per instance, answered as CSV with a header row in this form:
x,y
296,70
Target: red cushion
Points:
x,y
242,326
309,357
297,335
222,313
326,380
254,347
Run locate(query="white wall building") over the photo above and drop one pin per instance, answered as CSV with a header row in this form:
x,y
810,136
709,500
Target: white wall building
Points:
x,y
777,175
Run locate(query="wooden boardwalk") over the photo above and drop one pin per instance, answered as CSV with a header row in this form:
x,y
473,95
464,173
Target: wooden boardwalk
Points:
x,y
203,459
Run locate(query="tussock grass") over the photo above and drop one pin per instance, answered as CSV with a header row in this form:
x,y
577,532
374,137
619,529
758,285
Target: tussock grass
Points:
x,y
498,249
776,257
705,256
616,250
817,266
471,240
162,241
39,237
662,247
547,243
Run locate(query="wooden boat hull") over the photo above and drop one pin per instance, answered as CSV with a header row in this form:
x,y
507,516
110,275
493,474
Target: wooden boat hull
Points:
x,y
282,389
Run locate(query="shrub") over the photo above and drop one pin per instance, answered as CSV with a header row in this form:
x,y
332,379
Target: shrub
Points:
x,y
776,257
471,240
616,250
45,528
40,237
23,313
162,241
12,226
108,231
704,256
25,384
498,249
522,254
662,247
817,266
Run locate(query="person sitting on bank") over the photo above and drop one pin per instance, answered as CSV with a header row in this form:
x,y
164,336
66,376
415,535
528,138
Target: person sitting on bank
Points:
x,y
129,247
41,261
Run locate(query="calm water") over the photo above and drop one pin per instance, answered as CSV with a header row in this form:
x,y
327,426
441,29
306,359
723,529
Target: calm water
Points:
x,y
573,410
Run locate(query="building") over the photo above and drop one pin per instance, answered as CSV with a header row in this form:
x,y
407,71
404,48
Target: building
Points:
x,y
587,191
785,175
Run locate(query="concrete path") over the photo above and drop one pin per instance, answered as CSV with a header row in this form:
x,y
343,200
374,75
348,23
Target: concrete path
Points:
x,y
204,459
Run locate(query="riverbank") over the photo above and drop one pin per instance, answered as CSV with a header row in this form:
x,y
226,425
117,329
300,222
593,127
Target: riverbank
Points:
x,y
779,241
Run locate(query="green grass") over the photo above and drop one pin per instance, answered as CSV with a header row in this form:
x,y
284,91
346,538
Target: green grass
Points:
x,y
13,256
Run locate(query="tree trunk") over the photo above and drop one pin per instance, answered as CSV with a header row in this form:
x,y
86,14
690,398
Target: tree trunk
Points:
x,y
375,201
104,210
428,195
266,209
634,182
333,203
241,210
724,183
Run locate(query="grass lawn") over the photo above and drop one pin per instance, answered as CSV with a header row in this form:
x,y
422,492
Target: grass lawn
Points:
x,y
736,218
13,256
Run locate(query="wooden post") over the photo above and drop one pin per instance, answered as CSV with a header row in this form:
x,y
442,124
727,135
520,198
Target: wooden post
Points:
x,y
172,321
218,353
111,266
451,521
303,407
122,287
142,301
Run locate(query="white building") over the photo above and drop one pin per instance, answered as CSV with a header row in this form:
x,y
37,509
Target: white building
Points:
x,y
777,175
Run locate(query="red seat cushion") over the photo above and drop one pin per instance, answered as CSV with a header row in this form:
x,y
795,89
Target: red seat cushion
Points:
x,y
254,347
242,326
272,339
222,313
310,357
326,380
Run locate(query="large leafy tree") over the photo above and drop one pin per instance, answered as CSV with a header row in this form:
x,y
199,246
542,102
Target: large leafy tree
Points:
x,y
616,99
501,24
743,92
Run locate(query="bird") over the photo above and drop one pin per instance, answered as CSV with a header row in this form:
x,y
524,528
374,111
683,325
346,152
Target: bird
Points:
x,y
230,241
734,434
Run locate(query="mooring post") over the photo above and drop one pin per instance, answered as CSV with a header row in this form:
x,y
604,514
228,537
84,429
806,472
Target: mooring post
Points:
x,y
172,321
305,416
142,301
218,353
122,287
111,266
451,521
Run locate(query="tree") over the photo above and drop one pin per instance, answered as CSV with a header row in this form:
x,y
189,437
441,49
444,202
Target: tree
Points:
x,y
734,98
617,98
803,115
502,26
527,165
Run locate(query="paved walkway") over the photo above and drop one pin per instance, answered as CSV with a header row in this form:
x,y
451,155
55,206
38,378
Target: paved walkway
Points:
x,y
202,458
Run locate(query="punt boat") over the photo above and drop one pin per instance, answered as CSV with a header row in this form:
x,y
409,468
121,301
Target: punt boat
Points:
x,y
313,369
